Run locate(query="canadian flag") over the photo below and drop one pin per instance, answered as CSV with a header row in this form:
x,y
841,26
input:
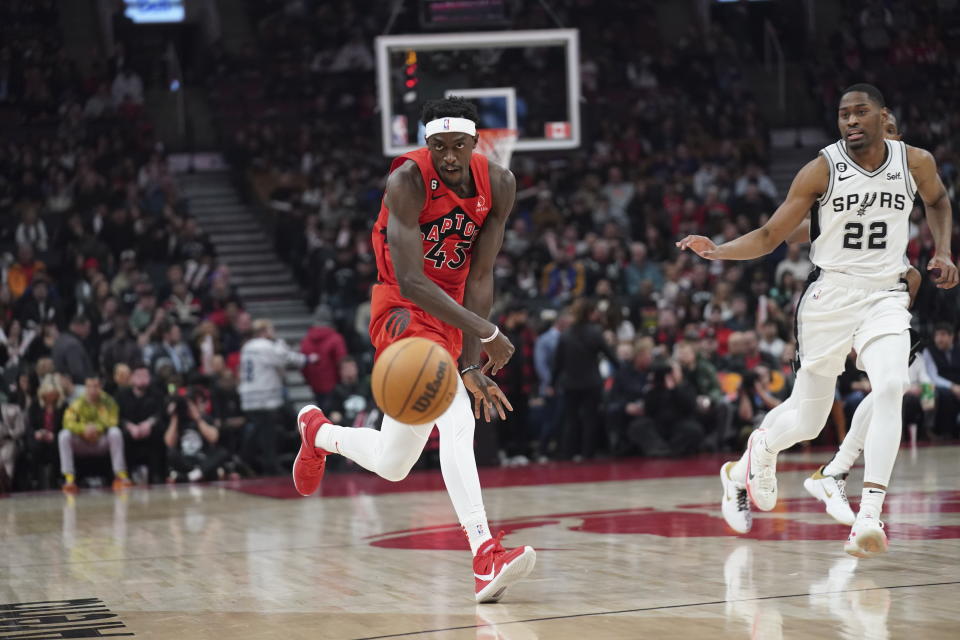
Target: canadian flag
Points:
x,y
557,130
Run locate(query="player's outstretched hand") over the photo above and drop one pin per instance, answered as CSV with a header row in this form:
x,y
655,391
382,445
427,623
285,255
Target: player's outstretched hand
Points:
x,y
948,278
700,245
486,394
499,351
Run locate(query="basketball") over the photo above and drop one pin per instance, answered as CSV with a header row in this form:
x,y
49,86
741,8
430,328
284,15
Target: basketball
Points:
x,y
414,380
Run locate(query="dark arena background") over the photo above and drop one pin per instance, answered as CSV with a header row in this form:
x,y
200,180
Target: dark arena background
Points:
x,y
188,190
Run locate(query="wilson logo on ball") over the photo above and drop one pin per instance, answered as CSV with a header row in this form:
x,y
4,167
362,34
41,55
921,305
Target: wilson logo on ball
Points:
x,y
431,389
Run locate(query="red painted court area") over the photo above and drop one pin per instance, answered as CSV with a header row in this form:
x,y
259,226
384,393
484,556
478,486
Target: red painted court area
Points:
x,y
690,521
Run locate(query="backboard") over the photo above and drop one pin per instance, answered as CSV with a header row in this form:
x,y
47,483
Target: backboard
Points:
x,y
528,81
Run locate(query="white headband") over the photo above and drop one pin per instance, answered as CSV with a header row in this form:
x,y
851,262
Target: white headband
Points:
x,y
447,125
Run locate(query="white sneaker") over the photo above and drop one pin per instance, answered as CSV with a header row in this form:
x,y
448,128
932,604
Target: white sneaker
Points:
x,y
867,538
761,473
735,505
833,493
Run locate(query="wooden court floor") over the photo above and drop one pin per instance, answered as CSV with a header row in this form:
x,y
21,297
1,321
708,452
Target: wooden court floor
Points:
x,y
632,549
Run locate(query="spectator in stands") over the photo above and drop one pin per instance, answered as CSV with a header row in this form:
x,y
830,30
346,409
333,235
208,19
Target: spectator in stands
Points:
x,y
262,361
564,279
712,410
127,275
351,402
127,86
90,429
122,347
172,347
544,352
70,356
576,372
795,262
624,404
942,359
141,419
329,347
641,268
518,380
228,416
748,356
669,423
191,440
770,341
44,421
21,274
32,231
100,104
12,430
36,308
144,313
119,380
182,307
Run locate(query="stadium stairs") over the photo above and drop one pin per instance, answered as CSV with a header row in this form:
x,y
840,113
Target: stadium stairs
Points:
x,y
263,281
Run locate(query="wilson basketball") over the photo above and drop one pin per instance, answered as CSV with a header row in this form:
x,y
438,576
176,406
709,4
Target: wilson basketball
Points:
x,y
414,380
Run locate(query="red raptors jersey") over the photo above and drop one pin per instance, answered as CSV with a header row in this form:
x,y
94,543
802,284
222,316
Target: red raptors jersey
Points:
x,y
448,225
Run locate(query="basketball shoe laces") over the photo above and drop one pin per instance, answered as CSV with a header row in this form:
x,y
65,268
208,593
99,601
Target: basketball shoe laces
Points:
x,y
842,486
743,501
766,479
496,548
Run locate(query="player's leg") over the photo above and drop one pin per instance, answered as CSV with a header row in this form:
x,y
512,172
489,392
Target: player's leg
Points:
x,y
495,568
811,400
827,318
735,503
828,483
390,452
852,445
885,360
459,467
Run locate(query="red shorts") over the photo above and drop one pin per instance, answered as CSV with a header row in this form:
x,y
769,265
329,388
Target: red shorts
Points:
x,y
393,317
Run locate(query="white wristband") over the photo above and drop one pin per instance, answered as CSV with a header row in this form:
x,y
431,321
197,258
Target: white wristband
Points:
x,y
493,336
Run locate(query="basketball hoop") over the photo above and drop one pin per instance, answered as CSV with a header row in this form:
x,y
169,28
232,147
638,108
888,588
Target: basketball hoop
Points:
x,y
497,145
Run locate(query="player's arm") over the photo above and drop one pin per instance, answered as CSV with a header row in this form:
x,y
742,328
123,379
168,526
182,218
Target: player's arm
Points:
x,y
923,168
478,294
478,290
801,234
405,197
807,186
912,276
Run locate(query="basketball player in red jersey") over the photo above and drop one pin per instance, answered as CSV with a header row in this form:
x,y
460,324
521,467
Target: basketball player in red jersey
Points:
x,y
439,231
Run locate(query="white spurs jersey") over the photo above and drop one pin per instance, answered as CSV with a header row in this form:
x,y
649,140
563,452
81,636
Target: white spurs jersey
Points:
x,y
861,227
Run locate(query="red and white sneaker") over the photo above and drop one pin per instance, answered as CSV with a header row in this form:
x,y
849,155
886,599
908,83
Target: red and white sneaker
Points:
x,y
496,568
311,460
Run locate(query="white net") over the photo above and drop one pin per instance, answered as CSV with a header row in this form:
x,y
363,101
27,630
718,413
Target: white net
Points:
x,y
497,145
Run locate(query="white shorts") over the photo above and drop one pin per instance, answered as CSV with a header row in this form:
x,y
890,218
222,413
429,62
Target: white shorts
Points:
x,y
838,312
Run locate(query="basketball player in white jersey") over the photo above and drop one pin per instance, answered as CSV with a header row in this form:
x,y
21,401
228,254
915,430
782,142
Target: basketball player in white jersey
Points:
x,y
865,186
828,483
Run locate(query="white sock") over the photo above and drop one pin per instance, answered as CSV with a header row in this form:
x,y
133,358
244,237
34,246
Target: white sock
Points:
x,y
871,501
459,468
477,530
